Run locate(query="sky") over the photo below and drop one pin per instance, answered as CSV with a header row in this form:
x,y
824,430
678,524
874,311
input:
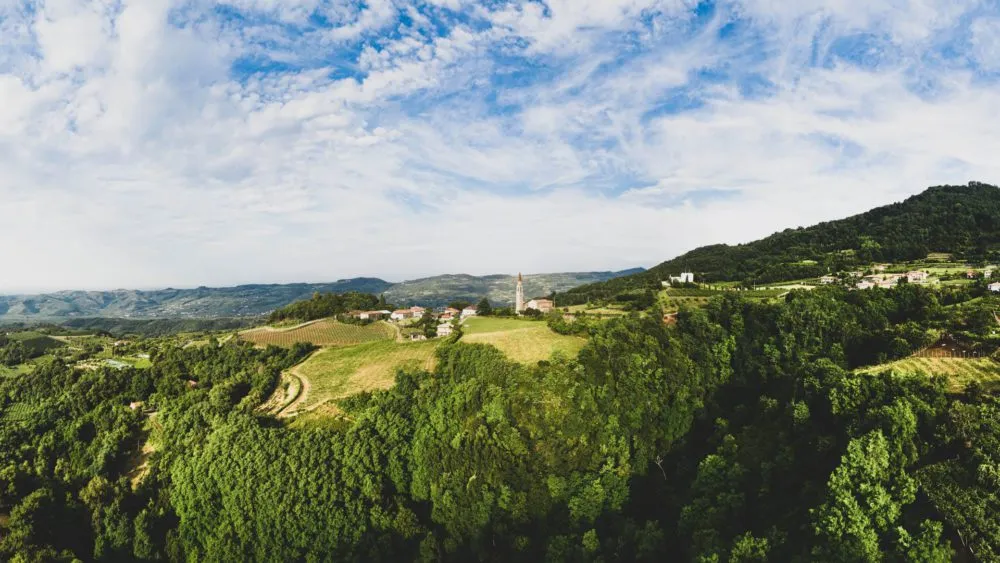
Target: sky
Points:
x,y
176,143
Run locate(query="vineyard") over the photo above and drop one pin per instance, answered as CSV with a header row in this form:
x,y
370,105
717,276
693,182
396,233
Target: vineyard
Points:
x,y
321,333
18,412
960,372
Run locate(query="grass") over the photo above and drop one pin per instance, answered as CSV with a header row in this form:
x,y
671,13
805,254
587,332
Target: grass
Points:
x,y
476,325
960,372
596,310
336,373
321,333
522,341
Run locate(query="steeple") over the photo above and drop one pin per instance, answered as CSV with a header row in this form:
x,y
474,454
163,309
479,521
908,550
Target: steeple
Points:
x,y
519,294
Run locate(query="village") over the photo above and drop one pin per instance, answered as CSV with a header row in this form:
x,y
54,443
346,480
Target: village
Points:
x,y
877,276
448,318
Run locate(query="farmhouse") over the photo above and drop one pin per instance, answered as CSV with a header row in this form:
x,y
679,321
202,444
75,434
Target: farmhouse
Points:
x,y
444,329
451,311
916,276
372,315
400,314
417,311
543,305
827,280
469,311
865,284
994,287
446,317
685,277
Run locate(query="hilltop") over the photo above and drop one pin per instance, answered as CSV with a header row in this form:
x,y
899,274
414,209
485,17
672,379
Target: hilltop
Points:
x,y
255,300
960,220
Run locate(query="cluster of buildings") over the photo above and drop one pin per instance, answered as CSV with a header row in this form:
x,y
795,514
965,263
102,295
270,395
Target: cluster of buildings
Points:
x,y
446,316
685,277
891,280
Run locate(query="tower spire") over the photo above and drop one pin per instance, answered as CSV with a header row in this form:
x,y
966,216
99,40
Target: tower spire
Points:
x,y
519,294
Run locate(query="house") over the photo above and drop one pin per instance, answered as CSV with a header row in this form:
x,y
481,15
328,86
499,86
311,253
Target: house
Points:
x,y
446,317
988,273
865,284
971,274
373,315
827,280
916,276
888,283
400,314
994,287
543,305
685,277
451,310
469,311
445,329
417,311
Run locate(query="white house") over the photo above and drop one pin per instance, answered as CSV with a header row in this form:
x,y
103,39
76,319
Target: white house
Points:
x,y
994,287
865,284
444,329
916,276
685,277
469,311
400,314
417,311
827,280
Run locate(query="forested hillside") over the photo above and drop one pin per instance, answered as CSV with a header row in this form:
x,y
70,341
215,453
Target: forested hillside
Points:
x,y
740,433
961,220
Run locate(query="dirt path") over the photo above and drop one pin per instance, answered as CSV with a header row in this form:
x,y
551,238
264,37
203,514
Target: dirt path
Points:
x,y
305,386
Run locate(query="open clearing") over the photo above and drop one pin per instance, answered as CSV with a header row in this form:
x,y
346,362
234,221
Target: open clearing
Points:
x,y
522,341
959,371
340,372
321,333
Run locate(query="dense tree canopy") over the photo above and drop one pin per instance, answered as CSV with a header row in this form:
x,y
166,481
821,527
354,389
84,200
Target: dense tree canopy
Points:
x,y
740,433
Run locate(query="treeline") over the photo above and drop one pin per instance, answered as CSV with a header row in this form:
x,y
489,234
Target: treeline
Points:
x,y
323,305
963,220
157,327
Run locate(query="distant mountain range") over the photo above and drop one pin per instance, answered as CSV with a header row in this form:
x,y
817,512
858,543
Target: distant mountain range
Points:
x,y
252,300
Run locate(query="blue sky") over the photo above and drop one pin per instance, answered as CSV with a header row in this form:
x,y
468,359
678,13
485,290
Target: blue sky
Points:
x,y
159,143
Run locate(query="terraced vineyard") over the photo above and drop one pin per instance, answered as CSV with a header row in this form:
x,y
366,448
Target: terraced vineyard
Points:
x,y
959,371
321,333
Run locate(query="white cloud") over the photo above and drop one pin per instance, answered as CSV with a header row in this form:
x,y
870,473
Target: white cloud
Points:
x,y
531,137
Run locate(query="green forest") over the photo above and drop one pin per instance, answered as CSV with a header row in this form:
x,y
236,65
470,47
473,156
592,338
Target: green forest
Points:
x,y
740,433
959,220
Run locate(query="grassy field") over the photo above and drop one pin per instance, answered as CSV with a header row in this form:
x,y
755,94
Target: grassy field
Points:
x,y
321,333
959,371
597,310
36,342
522,341
339,372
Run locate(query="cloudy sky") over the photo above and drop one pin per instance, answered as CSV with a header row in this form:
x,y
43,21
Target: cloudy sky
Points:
x,y
153,143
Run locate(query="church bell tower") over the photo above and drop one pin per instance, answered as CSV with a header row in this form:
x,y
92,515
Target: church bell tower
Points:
x,y
519,295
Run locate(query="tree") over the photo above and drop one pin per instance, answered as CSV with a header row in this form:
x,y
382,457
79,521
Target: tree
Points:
x,y
484,309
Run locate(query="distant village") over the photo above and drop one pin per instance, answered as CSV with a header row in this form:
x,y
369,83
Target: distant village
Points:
x,y
875,277
448,317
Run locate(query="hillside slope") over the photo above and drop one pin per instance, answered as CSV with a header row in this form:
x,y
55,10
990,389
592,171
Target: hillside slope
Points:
x,y
253,300
963,220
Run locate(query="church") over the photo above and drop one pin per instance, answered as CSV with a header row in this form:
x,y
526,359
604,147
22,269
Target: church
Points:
x,y
539,304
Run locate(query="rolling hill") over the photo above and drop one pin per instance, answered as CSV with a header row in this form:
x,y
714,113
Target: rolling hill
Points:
x,y
961,220
255,300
